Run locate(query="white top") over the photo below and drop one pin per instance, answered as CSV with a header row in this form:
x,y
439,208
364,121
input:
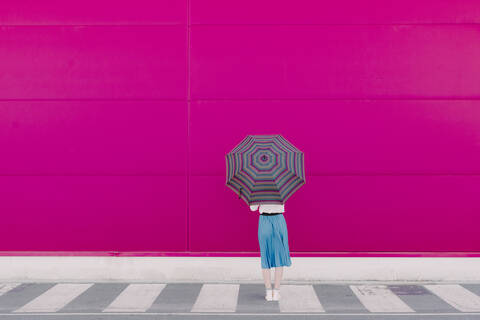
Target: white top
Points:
x,y
268,208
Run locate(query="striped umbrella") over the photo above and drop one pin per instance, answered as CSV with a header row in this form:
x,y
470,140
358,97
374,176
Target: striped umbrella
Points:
x,y
265,168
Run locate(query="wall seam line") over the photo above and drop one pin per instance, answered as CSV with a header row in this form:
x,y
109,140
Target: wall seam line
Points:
x,y
188,128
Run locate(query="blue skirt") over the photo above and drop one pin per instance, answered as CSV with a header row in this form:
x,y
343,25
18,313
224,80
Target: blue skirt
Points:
x,y
273,241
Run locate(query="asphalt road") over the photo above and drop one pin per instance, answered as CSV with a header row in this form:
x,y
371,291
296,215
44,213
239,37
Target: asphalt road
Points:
x,y
238,301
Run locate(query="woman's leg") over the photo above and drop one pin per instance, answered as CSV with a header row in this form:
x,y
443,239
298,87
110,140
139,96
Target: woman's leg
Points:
x,y
278,276
267,278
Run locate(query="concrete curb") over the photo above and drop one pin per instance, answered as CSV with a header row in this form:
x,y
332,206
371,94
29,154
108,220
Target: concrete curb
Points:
x,y
227,269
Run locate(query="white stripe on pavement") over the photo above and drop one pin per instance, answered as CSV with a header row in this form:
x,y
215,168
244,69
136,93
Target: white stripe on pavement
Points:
x,y
378,298
217,298
457,296
299,298
5,287
55,298
137,297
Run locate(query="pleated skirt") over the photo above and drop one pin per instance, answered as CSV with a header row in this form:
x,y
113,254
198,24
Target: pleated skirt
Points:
x,y
273,241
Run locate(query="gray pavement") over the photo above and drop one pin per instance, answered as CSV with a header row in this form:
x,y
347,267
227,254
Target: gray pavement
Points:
x,y
239,300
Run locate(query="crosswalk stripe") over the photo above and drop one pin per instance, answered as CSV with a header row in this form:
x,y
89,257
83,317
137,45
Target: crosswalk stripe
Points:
x,y
217,298
5,287
378,298
299,298
457,296
137,297
228,298
55,298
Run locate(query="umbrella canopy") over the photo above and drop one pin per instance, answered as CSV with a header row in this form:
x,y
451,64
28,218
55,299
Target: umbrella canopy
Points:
x,y
265,169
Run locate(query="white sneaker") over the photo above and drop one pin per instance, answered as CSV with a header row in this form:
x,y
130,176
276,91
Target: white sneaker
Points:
x,y
268,295
276,294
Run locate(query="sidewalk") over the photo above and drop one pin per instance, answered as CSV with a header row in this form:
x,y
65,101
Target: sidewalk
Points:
x,y
234,269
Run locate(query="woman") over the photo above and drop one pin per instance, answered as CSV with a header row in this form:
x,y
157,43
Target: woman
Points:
x,y
273,240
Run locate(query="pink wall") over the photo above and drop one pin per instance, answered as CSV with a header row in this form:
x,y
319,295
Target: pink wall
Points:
x,y
115,119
